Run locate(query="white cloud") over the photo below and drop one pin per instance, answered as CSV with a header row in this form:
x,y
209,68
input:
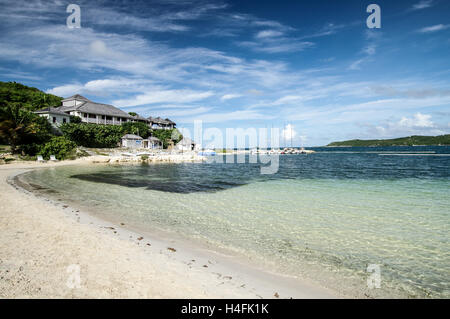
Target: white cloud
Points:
x,y
434,28
277,45
417,124
163,112
268,34
104,87
370,49
165,96
239,115
418,120
356,64
422,5
288,132
66,90
230,96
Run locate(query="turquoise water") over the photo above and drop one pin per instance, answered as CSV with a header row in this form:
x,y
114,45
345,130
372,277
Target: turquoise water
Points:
x,y
324,216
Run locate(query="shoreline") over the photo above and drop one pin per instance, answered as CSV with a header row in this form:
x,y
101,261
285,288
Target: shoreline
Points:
x,y
154,267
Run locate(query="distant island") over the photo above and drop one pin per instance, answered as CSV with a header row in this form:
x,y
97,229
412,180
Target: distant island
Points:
x,y
402,141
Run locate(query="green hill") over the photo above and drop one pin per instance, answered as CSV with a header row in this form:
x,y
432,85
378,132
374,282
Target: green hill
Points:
x,y
402,141
30,98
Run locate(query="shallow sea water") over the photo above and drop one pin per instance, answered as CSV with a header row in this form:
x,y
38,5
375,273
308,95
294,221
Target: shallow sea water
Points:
x,y
324,216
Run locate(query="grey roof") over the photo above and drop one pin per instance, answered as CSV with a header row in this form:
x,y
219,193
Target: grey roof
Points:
x,y
152,138
140,118
132,137
77,97
158,120
51,110
96,108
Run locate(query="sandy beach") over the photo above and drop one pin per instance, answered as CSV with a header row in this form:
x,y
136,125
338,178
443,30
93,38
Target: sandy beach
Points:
x,y
43,245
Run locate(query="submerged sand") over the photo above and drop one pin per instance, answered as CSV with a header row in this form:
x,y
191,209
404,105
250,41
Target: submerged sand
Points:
x,y
44,244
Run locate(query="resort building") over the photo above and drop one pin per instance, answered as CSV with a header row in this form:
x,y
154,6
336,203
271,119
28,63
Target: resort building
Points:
x,y
54,116
92,112
135,141
97,113
159,123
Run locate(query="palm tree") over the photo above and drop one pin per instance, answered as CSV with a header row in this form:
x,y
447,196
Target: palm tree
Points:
x,y
17,125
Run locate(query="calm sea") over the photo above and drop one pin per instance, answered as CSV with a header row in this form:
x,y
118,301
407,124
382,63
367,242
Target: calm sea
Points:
x,y
325,216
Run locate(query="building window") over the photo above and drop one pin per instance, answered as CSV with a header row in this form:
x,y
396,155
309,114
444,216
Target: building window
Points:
x,y
54,119
84,114
64,120
92,116
109,118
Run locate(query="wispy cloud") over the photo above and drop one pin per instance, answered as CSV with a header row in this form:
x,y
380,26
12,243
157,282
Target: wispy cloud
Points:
x,y
277,45
164,96
434,28
238,115
268,34
422,5
230,96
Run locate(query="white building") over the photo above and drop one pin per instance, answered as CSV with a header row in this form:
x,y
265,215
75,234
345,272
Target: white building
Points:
x,y
92,112
54,116
135,141
99,113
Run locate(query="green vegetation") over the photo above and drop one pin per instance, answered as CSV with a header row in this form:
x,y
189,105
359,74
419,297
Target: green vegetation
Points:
x,y
28,134
132,113
136,128
92,135
29,98
23,130
59,146
75,119
168,135
5,149
403,141
221,150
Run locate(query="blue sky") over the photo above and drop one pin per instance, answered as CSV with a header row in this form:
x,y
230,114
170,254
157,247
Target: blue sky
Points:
x,y
311,64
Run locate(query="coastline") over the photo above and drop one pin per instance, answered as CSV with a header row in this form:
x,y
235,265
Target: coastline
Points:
x,y
41,238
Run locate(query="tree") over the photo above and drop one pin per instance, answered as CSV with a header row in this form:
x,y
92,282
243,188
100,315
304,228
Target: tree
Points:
x,y
137,128
22,129
92,135
59,146
168,135
29,98
132,113
75,119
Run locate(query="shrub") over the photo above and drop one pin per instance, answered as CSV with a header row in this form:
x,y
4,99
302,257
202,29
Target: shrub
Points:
x,y
136,128
59,146
92,135
22,129
75,119
168,135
